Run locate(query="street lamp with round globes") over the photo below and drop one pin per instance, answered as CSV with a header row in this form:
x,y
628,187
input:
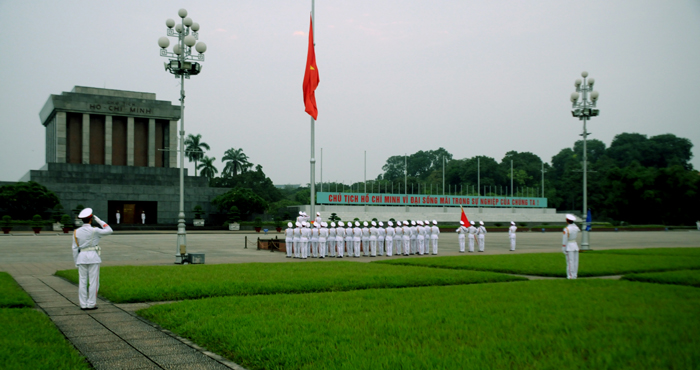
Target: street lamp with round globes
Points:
x,y
584,110
182,64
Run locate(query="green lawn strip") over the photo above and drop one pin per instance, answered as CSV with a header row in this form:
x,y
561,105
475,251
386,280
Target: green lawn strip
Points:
x,y
689,252
683,277
165,283
554,264
545,324
11,294
29,340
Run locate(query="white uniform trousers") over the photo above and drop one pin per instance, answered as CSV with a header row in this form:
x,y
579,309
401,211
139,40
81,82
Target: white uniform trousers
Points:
x,y
471,242
482,242
304,247
88,295
389,241
314,247
297,247
420,240
322,247
380,246
414,245
349,246
512,242
365,246
406,245
357,242
461,243
434,239
331,246
373,246
571,264
289,242
339,246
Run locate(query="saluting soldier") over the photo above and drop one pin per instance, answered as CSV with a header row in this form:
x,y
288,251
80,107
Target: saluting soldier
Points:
x,y
511,235
86,255
570,247
289,239
481,235
461,231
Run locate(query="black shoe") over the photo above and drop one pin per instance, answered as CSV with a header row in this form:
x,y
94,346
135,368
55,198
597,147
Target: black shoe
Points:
x,y
91,308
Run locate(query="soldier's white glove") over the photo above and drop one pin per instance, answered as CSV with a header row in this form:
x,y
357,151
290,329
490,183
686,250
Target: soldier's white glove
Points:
x,y
563,250
97,219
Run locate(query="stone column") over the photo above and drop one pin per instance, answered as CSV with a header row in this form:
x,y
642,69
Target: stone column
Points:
x,y
174,145
61,137
152,142
86,138
130,141
108,140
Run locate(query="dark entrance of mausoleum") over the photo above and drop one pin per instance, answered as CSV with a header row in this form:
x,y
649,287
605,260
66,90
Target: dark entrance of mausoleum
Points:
x,y
131,211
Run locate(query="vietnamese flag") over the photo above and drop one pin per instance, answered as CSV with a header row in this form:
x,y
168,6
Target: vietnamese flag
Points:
x,y
311,79
464,218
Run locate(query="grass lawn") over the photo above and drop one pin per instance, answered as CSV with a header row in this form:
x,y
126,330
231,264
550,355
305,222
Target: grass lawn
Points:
x,y
11,294
164,283
688,252
545,324
683,277
554,264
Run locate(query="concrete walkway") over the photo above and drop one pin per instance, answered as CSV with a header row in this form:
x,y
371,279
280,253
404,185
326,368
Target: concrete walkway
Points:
x,y
112,337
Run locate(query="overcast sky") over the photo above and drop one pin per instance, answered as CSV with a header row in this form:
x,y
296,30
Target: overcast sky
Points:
x,y
474,77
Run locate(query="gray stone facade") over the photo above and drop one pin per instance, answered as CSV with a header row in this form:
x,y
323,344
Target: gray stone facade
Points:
x,y
95,186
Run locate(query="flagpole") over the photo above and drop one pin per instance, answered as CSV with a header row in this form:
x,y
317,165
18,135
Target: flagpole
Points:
x,y
313,160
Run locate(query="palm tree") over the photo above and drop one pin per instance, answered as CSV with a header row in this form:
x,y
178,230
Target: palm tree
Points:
x,y
207,167
236,161
193,148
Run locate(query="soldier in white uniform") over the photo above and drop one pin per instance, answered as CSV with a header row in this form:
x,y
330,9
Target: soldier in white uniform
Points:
x,y
143,217
314,239
472,236
570,247
511,235
434,236
373,235
322,238
380,239
389,239
414,235
297,240
398,238
331,240
406,239
428,237
300,218
340,239
420,238
461,232
119,217
318,219
365,239
289,239
349,240
305,234
86,255
481,236
357,239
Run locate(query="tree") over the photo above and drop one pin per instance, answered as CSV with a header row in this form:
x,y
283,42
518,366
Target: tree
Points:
x,y
194,148
254,180
25,199
236,161
247,202
207,167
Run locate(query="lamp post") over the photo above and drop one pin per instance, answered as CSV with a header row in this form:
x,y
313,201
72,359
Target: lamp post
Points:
x,y
584,110
182,64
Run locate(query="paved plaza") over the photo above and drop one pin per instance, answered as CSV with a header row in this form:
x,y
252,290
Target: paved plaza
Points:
x,y
113,337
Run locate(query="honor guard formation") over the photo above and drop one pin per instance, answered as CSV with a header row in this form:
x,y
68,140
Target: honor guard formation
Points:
x,y
355,238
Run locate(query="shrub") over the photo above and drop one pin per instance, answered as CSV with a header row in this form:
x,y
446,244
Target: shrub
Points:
x,y
498,224
257,222
66,221
6,221
234,215
198,211
37,221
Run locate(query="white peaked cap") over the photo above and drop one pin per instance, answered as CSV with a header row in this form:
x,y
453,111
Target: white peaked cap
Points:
x,y
419,222
481,223
340,223
85,213
317,225
405,223
324,224
374,223
427,222
461,222
434,222
473,222
568,216
318,213
289,224
357,223
301,213
381,223
332,224
390,223
365,223
413,223
512,223
298,224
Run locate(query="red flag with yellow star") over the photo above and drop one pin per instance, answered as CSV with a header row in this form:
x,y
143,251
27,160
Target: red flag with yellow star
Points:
x,y
311,79
464,218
